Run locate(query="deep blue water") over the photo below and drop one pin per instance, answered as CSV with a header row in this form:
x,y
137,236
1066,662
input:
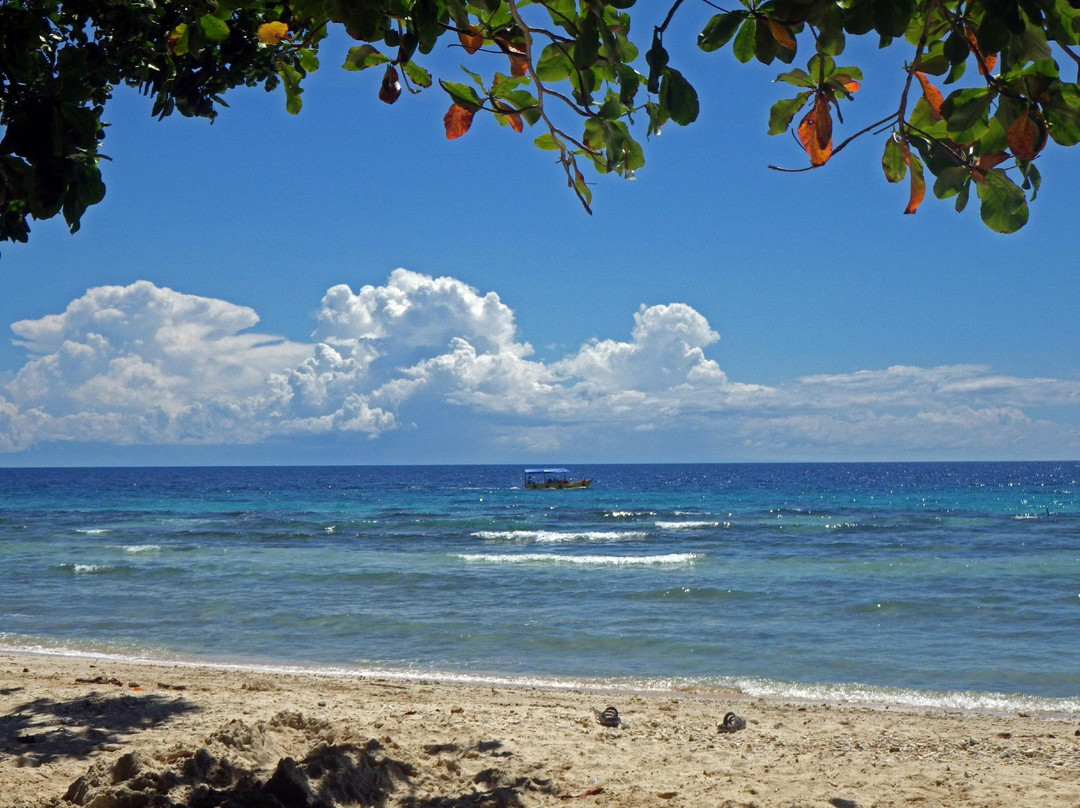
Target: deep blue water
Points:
x,y
800,579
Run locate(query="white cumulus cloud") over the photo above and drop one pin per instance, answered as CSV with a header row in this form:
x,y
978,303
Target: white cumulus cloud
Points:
x,y
430,360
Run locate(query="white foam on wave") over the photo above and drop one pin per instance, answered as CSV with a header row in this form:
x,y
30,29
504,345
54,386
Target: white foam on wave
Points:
x,y
626,514
583,560
966,701
86,569
92,531
687,525
555,537
142,548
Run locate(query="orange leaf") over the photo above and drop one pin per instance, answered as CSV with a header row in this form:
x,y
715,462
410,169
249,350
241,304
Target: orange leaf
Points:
x,y
515,50
932,95
918,182
471,40
985,63
815,133
511,115
851,86
782,34
457,121
1025,137
918,191
271,33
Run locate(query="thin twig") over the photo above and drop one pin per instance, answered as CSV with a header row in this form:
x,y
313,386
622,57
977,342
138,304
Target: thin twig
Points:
x,y
839,148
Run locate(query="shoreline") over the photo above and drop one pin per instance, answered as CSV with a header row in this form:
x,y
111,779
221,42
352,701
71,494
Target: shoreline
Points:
x,y
768,691
156,732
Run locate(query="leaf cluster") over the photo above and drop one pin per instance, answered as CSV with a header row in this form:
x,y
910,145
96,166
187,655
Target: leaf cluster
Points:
x,y
571,69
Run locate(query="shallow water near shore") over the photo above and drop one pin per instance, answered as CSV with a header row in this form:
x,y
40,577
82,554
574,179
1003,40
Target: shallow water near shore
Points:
x,y
953,584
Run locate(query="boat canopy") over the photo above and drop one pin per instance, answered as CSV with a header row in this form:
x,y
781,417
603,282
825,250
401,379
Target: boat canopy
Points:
x,y
547,471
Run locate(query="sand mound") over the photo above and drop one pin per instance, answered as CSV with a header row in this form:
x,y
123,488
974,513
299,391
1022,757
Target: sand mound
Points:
x,y
329,775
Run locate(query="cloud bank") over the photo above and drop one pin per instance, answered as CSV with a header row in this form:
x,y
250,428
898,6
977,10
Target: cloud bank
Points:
x,y
420,360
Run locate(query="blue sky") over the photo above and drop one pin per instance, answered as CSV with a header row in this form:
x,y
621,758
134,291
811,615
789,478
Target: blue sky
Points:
x,y
348,286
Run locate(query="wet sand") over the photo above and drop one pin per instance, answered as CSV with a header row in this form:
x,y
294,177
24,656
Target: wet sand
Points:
x,y
111,734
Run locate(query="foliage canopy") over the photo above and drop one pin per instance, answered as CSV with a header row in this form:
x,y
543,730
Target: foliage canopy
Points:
x,y
566,68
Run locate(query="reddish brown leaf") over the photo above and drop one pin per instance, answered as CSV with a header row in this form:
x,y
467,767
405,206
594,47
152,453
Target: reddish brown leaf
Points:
x,y
782,34
1025,137
457,121
988,161
815,132
823,122
471,40
390,89
932,95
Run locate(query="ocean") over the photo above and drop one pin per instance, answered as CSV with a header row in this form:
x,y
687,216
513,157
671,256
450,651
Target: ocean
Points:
x,y
951,585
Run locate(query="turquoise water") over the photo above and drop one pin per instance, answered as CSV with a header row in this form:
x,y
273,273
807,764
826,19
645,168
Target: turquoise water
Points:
x,y
944,583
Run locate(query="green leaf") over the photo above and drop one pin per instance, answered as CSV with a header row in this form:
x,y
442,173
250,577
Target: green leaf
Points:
x,y
821,66
629,82
417,75
965,113
782,112
657,59
1029,46
831,31
1032,179
362,57
503,86
183,44
1063,117
798,78
463,95
892,161
547,142
290,80
956,48
766,47
743,46
216,30
951,181
891,17
526,104
308,60
992,35
1004,205
678,97
962,197
554,64
719,30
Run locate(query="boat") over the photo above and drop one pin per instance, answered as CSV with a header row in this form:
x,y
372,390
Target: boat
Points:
x,y
553,478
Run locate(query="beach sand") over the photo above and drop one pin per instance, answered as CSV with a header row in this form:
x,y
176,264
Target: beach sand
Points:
x,y
111,734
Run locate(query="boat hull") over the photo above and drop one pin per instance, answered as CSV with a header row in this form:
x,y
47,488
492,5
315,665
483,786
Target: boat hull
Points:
x,y
558,484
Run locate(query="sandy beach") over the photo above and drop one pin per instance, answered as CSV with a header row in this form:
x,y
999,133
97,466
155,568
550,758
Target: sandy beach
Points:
x,y
111,734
